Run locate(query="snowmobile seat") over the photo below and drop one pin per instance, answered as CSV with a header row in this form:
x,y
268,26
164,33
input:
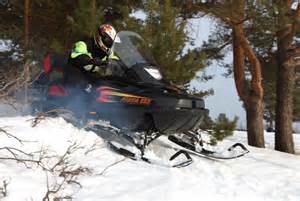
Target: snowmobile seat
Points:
x,y
53,65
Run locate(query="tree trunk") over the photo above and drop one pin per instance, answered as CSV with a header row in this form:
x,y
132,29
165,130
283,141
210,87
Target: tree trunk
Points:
x,y
26,22
250,93
26,44
285,83
255,128
284,109
284,103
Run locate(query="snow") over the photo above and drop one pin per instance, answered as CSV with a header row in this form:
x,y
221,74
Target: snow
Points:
x,y
262,175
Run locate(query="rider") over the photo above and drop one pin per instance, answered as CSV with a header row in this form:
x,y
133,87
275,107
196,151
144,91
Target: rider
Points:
x,y
90,57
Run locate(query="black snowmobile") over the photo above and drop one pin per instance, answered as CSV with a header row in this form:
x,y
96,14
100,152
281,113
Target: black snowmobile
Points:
x,y
135,98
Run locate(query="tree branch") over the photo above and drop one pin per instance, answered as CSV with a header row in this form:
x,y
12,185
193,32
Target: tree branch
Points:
x,y
111,165
10,135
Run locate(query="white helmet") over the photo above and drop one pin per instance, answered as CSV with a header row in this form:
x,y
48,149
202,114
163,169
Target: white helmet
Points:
x,y
105,37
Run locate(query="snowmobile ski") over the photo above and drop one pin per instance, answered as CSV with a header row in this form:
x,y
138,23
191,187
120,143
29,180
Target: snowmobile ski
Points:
x,y
185,163
122,151
189,148
128,154
111,135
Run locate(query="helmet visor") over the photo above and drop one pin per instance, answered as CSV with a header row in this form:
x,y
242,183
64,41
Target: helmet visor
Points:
x,y
107,41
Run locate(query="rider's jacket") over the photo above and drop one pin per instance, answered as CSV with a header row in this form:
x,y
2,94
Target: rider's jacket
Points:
x,y
83,62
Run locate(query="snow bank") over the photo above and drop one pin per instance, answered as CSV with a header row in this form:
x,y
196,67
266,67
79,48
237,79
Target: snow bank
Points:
x,y
269,139
261,175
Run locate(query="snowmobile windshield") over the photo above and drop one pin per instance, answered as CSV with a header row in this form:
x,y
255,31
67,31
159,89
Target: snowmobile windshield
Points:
x,y
132,49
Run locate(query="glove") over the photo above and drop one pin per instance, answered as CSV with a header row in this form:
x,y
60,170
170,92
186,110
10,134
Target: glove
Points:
x,y
99,62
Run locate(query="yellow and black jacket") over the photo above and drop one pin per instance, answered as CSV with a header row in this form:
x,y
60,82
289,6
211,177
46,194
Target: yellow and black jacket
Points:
x,y
85,60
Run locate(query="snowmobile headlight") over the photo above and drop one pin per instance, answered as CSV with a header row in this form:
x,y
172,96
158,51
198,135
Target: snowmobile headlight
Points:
x,y
154,73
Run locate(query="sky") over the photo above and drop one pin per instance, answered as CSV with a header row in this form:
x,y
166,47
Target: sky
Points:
x,y
225,98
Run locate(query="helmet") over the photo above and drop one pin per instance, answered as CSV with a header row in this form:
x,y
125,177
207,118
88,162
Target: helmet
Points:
x,y
104,37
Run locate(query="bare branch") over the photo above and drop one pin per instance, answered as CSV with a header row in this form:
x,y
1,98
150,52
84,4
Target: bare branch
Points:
x,y
3,188
92,148
13,80
10,135
12,149
111,165
62,159
42,115
54,190
64,169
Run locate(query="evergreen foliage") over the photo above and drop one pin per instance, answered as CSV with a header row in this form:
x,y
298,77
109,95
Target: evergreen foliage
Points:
x,y
55,26
222,128
165,32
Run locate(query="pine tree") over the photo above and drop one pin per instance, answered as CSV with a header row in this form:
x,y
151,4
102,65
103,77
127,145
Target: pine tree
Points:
x,y
166,34
270,26
222,128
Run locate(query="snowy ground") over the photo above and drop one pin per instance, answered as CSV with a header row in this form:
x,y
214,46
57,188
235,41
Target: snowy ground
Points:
x,y
263,174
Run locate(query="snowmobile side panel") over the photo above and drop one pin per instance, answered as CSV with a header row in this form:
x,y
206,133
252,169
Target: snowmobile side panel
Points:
x,y
181,120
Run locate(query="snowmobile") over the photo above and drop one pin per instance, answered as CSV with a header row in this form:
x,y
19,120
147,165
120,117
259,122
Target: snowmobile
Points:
x,y
135,98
